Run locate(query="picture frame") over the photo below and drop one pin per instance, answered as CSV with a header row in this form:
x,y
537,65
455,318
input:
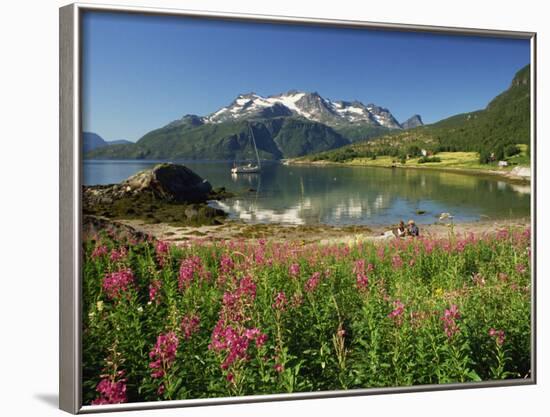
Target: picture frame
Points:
x,y
71,175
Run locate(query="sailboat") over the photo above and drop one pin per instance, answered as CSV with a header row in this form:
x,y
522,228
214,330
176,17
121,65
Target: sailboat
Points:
x,y
249,168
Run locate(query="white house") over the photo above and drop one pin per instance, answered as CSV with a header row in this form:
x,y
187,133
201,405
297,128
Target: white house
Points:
x,y
502,163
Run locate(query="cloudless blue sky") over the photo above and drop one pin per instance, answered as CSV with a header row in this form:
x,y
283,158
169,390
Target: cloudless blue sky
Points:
x,y
141,72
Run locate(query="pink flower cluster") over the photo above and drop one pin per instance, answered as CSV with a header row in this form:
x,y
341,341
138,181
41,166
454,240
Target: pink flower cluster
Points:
x,y
162,250
231,336
280,301
226,264
154,290
499,335
362,281
234,341
190,325
190,268
361,273
117,255
111,391
116,283
235,303
449,319
359,267
294,270
396,262
313,282
380,252
99,251
163,354
397,313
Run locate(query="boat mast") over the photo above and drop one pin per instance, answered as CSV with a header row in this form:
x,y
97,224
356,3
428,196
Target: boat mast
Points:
x,y
254,142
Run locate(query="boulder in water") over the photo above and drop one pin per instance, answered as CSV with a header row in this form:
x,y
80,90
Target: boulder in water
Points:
x,y
170,183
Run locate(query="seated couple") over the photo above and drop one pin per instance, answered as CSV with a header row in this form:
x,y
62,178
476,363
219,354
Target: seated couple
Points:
x,y
410,230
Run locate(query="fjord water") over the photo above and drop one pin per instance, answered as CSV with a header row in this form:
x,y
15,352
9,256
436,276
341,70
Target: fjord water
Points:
x,y
343,195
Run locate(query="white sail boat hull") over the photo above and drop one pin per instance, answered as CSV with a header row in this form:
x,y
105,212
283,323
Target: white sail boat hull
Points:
x,y
252,169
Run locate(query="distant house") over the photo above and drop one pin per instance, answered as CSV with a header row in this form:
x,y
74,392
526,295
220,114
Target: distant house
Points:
x,y
502,164
424,152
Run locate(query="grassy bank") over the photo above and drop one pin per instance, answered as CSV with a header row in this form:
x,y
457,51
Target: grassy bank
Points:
x,y
466,162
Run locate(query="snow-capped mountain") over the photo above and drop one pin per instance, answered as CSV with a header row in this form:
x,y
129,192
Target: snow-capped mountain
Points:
x,y
308,105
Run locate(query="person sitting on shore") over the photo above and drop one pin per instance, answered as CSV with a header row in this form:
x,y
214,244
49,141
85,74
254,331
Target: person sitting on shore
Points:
x,y
413,229
401,230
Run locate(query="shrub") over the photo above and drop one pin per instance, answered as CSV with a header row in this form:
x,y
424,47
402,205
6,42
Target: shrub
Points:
x,y
427,159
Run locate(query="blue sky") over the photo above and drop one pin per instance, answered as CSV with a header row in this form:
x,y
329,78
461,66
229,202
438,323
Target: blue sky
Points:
x,y
141,72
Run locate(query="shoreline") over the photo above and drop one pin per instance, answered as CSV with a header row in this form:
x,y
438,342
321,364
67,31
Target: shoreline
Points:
x,y
308,234
506,175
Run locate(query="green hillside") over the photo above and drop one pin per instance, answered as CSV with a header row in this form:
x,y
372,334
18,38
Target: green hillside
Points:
x,y
497,129
276,138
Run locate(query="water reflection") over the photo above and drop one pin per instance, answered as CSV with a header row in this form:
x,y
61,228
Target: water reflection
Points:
x,y
345,195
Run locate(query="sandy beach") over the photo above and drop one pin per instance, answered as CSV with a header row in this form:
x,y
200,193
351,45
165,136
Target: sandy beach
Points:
x,y
322,234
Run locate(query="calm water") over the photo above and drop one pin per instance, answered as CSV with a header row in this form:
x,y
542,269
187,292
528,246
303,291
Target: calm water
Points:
x,y
343,195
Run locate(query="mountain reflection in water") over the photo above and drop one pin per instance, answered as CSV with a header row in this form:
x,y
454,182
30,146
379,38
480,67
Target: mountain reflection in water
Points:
x,y
343,195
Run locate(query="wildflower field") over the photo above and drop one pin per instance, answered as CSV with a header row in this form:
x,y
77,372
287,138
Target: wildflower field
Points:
x,y
202,320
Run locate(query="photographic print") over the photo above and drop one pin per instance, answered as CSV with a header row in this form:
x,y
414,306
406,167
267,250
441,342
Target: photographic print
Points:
x,y
280,207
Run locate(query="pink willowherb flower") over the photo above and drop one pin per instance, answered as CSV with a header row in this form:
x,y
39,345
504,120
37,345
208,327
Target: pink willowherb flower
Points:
x,y
397,313
189,326
237,302
449,319
280,301
359,267
189,269
99,251
226,264
111,392
117,255
154,290
312,282
362,281
163,354
503,234
162,250
234,341
499,336
116,283
279,368
294,270
396,262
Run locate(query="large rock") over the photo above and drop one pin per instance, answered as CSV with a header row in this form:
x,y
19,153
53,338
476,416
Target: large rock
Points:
x,y
165,182
170,182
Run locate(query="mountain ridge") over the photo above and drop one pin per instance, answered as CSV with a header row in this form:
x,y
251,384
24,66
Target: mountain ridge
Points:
x,y
493,132
309,105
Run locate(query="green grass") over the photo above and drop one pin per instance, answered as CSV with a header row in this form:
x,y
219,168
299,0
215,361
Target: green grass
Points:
x,y
449,160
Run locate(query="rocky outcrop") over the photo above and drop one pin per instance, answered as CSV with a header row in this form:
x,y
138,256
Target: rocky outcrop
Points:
x,y
412,122
169,183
